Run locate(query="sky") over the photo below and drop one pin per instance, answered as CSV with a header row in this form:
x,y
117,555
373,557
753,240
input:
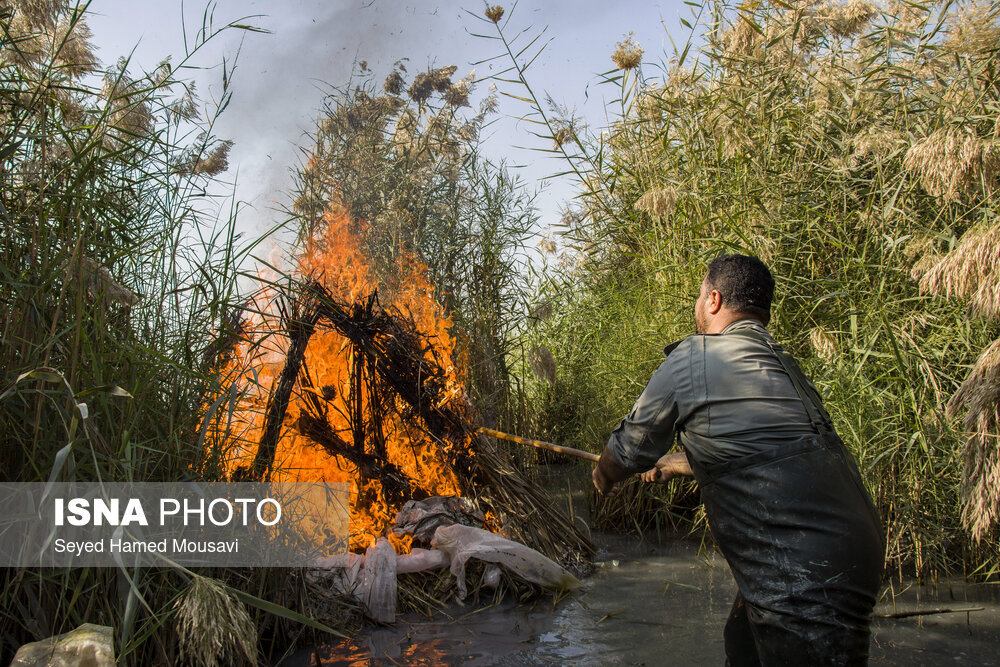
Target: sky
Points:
x,y
280,78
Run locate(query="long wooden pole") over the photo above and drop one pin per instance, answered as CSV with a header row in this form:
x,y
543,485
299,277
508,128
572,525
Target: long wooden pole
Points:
x,y
540,444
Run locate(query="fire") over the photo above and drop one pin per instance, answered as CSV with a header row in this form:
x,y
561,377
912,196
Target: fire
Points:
x,y
338,261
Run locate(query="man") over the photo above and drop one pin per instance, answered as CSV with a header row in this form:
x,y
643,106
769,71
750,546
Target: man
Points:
x,y
783,497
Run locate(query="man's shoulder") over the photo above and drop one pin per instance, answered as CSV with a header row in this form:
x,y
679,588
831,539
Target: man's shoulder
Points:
x,y
670,349
734,340
737,337
682,347
684,353
693,344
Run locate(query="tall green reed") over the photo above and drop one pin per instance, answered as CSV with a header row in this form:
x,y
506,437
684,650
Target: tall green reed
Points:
x,y
115,270
850,146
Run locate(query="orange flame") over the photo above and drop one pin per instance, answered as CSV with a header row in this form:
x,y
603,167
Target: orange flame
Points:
x,y
339,262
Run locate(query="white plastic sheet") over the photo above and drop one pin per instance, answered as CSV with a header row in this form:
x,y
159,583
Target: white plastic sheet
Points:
x,y
491,577
345,572
377,586
419,560
464,542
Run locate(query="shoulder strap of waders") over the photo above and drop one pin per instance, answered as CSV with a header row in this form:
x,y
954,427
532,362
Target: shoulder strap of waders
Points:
x,y
818,415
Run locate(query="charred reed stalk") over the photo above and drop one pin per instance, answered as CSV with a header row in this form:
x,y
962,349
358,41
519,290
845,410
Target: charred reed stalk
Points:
x,y
300,324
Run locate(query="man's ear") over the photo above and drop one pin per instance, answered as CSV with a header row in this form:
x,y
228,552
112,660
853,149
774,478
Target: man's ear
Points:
x,y
714,303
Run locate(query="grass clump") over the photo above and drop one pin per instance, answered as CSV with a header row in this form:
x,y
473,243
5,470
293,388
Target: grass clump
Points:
x,y
212,623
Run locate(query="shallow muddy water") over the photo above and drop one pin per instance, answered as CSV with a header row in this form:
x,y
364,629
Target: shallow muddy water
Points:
x,y
657,605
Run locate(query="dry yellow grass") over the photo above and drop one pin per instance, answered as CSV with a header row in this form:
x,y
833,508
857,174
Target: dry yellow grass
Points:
x,y
953,162
543,363
213,626
847,19
823,343
979,399
658,202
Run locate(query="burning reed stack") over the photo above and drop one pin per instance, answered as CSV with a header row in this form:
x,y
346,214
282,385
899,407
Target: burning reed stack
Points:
x,y
394,381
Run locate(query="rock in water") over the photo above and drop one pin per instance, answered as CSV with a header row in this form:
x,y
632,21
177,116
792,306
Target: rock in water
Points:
x,y
87,646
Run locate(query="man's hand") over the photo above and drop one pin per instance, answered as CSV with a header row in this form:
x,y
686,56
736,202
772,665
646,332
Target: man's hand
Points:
x,y
668,467
603,484
607,475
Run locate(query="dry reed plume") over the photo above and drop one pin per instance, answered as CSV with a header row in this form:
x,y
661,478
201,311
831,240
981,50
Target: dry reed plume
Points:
x,y
543,363
846,19
979,398
213,626
971,271
494,13
974,30
628,54
823,343
435,80
951,163
658,202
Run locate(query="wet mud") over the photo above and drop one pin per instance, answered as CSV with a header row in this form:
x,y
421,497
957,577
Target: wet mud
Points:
x,y
659,604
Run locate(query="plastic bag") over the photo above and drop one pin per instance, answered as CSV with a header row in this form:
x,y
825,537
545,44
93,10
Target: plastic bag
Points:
x,y
377,586
342,572
421,518
348,560
464,542
419,560
491,577
89,644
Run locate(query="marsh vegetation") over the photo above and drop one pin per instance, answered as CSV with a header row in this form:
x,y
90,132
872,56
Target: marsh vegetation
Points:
x,y
854,146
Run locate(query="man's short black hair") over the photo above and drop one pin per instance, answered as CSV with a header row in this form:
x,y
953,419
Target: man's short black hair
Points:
x,y
744,283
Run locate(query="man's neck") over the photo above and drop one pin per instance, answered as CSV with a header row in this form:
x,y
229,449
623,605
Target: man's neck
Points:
x,y
724,319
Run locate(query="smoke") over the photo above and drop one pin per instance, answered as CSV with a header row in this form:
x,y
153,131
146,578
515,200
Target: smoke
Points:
x,y
280,78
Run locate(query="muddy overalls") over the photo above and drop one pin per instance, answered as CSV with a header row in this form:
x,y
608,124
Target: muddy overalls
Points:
x,y
783,496
803,540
